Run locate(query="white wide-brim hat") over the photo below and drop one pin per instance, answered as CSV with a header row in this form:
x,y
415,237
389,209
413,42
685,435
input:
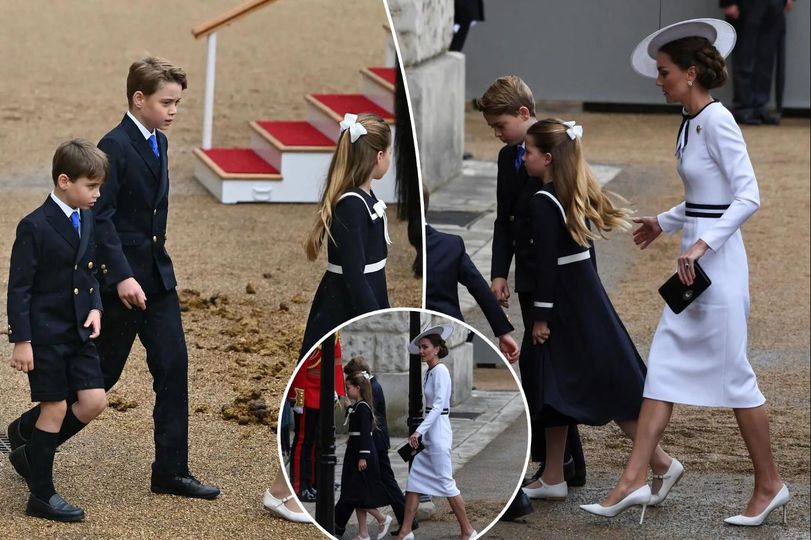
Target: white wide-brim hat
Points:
x,y
720,33
442,330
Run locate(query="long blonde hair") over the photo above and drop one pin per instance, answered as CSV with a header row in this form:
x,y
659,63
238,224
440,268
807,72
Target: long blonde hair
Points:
x,y
351,166
575,184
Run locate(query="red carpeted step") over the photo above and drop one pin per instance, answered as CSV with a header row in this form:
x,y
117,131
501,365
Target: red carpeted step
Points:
x,y
336,105
292,134
386,73
238,161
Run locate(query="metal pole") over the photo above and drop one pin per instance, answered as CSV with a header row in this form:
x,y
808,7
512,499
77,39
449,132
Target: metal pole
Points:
x,y
325,498
208,101
414,378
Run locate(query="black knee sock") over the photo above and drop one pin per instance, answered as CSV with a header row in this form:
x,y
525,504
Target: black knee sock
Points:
x,y
27,421
70,426
40,452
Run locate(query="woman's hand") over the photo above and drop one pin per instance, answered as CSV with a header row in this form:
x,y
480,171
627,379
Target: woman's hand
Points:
x,y
361,464
414,440
647,231
540,332
687,262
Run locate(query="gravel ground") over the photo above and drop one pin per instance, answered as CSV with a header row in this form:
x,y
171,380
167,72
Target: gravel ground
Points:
x,y
242,346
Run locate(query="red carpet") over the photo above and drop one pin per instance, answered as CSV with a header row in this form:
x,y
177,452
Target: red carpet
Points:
x,y
240,161
386,73
352,103
295,133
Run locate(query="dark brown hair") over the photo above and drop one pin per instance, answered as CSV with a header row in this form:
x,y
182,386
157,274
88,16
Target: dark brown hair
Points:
x,y
711,70
359,380
148,74
576,186
505,96
356,365
437,341
79,158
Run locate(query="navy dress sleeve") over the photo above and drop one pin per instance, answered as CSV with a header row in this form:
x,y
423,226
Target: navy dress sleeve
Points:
x,y
546,232
349,231
109,249
474,282
365,443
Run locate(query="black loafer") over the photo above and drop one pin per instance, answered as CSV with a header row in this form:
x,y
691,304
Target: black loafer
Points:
x,y
184,486
19,460
15,436
55,509
519,507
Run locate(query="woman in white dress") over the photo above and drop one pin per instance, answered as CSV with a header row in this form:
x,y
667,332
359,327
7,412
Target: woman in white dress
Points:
x,y
698,357
431,470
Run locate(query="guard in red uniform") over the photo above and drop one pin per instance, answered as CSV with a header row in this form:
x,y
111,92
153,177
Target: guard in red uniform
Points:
x,y
306,390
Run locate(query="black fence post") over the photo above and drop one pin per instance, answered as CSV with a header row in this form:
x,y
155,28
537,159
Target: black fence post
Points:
x,y
325,498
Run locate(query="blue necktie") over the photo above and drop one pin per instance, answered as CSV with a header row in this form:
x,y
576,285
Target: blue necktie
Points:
x,y
153,142
74,220
518,157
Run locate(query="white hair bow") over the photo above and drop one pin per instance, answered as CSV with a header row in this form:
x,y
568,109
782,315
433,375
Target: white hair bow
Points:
x,y
573,130
380,210
355,128
366,375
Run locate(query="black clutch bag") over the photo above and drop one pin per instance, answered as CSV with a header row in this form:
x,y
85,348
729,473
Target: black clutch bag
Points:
x,y
678,295
407,453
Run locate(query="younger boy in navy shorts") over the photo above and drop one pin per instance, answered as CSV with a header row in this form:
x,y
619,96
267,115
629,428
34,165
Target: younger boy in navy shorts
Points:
x,y
54,313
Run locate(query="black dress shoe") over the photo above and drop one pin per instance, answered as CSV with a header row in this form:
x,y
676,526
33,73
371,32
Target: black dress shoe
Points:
x,y
519,507
15,436
19,460
768,119
184,486
56,509
531,478
747,118
307,495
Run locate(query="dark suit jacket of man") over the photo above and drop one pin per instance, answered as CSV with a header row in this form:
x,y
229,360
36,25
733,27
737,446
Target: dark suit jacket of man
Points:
x,y
512,228
132,211
52,284
449,264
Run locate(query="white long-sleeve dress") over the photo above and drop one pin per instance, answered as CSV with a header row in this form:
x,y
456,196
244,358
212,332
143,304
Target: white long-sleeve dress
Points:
x,y
698,357
432,470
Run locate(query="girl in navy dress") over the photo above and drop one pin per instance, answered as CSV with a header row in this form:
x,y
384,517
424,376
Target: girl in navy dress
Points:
x,y
361,486
354,224
588,370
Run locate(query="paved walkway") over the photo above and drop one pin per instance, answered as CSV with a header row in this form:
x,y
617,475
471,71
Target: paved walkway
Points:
x,y
476,422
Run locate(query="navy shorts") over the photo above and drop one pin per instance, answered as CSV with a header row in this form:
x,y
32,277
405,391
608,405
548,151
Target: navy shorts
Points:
x,y
62,370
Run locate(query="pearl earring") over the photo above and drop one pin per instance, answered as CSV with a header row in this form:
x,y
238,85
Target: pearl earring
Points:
x,y
689,83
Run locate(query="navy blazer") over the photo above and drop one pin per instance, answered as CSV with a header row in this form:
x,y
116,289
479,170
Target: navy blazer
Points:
x,y
381,434
511,230
132,211
52,284
448,264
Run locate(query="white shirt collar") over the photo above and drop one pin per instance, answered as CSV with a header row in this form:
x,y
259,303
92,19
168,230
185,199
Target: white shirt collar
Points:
x,y
145,132
64,207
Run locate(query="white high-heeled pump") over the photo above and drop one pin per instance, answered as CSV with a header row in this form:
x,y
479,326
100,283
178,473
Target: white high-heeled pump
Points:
x,y
779,500
669,481
640,496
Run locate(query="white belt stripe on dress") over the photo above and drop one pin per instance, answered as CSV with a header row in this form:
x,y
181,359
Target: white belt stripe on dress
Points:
x,y
368,269
569,259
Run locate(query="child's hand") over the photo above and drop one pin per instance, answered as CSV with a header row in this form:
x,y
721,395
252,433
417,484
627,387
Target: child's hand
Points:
x,y
22,358
540,332
508,347
361,464
131,293
501,290
647,232
94,321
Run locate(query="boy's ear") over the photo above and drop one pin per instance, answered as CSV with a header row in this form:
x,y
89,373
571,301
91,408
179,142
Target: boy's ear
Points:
x,y
62,181
138,99
523,113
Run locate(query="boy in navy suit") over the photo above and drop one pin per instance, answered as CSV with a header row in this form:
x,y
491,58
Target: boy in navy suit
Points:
x,y
508,107
138,280
54,311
